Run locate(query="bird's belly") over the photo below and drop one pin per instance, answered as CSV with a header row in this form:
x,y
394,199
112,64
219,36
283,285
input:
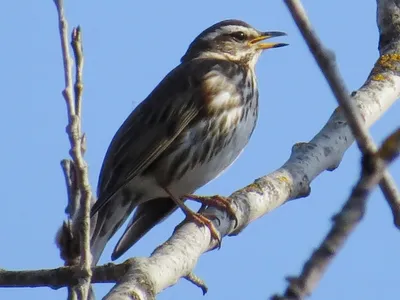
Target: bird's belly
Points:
x,y
201,171
204,173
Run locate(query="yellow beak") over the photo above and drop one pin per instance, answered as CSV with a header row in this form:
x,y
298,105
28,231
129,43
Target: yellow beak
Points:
x,y
264,36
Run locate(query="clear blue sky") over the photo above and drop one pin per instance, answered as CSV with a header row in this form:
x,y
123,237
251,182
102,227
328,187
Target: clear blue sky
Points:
x,y
129,46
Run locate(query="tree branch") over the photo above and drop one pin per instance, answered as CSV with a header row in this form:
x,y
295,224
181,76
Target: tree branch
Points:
x,y
63,276
77,151
373,167
73,97
326,61
73,193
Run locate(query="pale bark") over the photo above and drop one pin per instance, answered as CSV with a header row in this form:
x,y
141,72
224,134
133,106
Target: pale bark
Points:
x,y
80,199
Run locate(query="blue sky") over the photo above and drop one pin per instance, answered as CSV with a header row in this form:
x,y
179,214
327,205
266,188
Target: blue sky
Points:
x,y
129,47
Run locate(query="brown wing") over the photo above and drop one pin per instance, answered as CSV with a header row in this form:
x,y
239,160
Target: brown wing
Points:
x,y
152,127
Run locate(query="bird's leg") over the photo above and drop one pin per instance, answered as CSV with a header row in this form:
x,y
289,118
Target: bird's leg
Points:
x,y
216,201
196,217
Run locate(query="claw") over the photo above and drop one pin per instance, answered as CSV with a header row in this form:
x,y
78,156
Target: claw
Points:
x,y
203,221
196,217
218,202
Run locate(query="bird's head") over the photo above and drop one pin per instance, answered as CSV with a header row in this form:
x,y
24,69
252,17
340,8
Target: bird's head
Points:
x,y
232,40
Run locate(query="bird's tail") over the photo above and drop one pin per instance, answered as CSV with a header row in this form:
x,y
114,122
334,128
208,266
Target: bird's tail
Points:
x,y
112,216
109,219
146,216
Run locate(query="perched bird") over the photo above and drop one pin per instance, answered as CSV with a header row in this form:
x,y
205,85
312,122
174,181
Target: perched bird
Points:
x,y
190,128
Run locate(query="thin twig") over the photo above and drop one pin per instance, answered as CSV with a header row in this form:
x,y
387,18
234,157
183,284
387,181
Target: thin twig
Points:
x,y
62,276
67,92
73,192
73,98
345,221
63,28
76,153
326,61
77,47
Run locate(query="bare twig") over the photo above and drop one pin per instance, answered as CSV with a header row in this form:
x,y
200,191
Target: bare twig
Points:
x,y
73,97
63,276
345,221
77,47
63,28
67,93
77,154
73,192
326,61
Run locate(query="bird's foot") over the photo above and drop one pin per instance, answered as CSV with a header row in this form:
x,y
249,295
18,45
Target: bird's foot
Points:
x,y
196,217
204,221
216,201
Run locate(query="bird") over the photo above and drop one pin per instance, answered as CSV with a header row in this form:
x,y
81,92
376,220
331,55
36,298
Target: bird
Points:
x,y
185,133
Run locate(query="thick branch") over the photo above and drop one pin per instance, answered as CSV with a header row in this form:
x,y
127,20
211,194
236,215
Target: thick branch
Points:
x,y
326,61
373,167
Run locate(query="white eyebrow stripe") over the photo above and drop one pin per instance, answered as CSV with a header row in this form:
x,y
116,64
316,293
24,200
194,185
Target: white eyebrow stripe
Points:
x,y
228,28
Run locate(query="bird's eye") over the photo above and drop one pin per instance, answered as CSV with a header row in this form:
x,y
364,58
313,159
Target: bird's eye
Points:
x,y
239,35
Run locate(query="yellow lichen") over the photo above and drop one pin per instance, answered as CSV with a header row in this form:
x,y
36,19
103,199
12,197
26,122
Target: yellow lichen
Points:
x,y
283,179
388,61
378,77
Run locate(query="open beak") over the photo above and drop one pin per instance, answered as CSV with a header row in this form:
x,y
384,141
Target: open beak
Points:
x,y
264,36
